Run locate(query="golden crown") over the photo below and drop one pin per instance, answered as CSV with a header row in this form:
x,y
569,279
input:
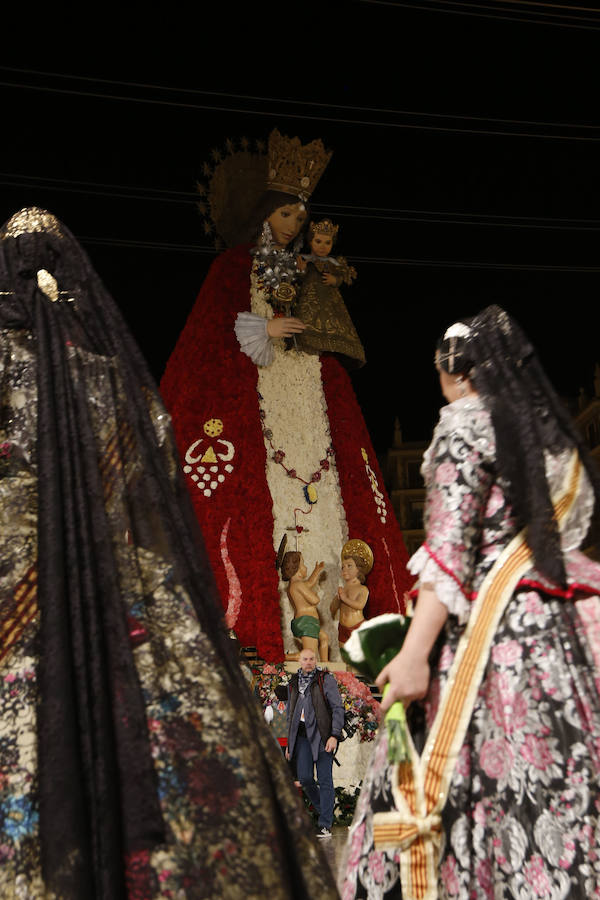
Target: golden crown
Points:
x,y
325,226
358,548
293,168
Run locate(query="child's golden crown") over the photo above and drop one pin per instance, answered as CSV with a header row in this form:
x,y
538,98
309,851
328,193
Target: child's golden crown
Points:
x,y
325,226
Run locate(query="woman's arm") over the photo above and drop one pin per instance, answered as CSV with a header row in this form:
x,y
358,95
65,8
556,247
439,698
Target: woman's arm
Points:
x,y
408,672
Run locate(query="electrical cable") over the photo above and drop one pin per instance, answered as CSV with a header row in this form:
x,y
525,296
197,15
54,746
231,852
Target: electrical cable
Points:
x,y
296,102
302,116
488,220
380,260
495,15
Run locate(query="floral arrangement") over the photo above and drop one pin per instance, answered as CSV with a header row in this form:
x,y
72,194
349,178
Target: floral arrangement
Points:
x,y
207,376
298,452
362,711
265,680
369,649
343,809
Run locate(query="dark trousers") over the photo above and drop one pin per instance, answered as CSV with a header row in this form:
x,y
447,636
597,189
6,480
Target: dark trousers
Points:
x,y
320,794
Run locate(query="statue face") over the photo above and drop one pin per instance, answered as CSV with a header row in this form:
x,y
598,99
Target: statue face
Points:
x,y
321,244
349,569
286,223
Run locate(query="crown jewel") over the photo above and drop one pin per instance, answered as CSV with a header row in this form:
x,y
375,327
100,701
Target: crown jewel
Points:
x,y
293,168
325,226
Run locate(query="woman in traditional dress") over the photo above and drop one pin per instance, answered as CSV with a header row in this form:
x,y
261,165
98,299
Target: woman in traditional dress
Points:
x,y
264,430
504,799
134,762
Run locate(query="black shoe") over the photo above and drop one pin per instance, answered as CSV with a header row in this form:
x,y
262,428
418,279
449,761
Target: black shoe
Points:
x,y
323,832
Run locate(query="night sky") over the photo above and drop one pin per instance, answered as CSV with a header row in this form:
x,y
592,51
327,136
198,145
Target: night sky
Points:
x,y
465,167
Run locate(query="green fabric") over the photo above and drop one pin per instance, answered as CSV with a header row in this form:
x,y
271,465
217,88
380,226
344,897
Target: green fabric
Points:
x,y
305,626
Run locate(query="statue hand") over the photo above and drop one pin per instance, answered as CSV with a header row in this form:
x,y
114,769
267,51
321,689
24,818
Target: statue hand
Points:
x,y
328,278
283,327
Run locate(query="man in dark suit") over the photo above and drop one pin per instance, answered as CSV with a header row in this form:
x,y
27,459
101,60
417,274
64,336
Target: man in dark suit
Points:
x,y
315,715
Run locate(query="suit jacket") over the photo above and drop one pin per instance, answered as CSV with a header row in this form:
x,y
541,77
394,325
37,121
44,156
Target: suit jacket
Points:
x,y
323,715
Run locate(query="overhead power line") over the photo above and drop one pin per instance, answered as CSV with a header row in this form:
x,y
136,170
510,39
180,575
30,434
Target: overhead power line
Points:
x,y
540,13
295,102
383,214
376,260
420,121
523,16
538,3
473,264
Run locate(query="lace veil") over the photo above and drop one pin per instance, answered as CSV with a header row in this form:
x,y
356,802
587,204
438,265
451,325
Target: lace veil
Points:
x,y
528,417
111,512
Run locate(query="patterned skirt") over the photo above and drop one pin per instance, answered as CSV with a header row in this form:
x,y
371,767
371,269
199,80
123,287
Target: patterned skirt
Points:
x,y
522,817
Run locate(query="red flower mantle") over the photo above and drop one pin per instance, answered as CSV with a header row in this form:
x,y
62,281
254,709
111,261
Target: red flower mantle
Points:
x,y
208,377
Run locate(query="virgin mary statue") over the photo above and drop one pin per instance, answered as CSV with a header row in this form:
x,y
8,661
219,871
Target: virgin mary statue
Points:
x,y
272,439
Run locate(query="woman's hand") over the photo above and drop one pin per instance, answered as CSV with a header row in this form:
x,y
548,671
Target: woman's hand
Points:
x,y
328,278
284,327
408,677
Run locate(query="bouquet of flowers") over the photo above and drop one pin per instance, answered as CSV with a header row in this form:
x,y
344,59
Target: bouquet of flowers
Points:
x,y
369,649
361,710
265,681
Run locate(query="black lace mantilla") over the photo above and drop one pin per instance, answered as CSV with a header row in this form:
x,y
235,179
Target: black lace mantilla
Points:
x,y
155,775
529,419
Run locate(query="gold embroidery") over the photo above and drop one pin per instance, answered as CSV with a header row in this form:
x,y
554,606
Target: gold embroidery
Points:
x,y
29,220
322,309
294,168
48,284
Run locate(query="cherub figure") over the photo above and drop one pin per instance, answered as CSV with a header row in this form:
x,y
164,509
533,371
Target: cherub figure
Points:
x,y
320,305
357,562
305,625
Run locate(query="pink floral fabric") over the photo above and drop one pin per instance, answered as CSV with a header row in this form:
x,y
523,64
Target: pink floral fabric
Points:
x,y
522,819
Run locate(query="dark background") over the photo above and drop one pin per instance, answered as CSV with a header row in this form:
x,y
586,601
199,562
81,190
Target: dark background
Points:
x,y
466,139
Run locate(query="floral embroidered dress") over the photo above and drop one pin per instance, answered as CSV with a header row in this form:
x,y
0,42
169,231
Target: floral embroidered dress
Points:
x,y
134,761
522,813
296,408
